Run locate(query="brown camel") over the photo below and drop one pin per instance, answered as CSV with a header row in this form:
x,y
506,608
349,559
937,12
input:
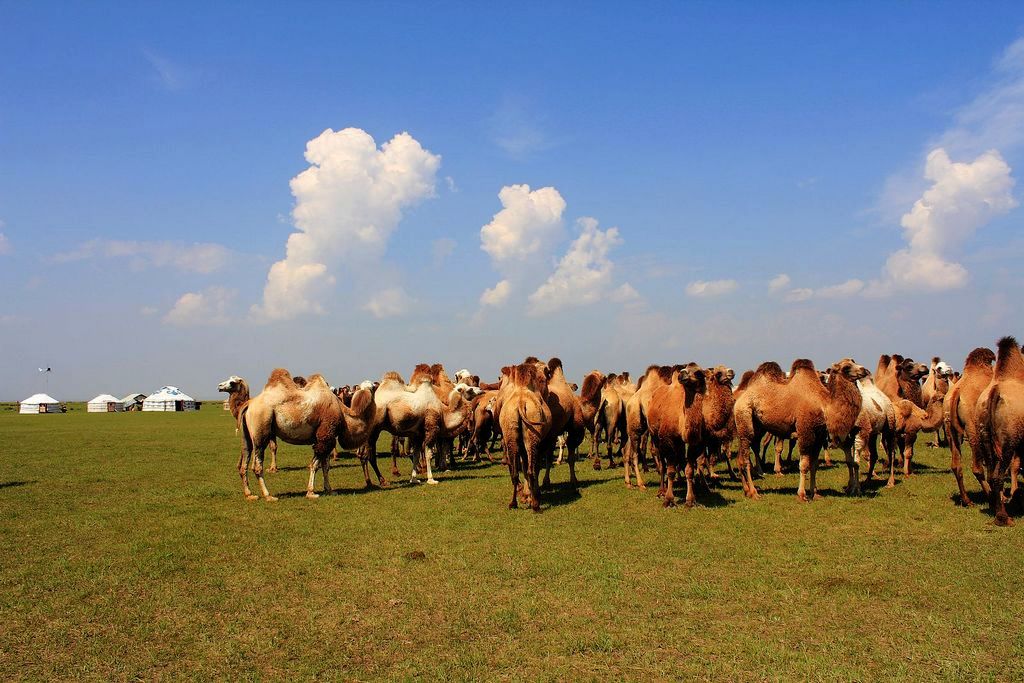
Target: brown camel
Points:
x,y
655,377
675,420
310,415
484,425
960,417
937,383
526,420
720,428
566,416
912,420
1000,412
781,406
590,402
611,414
900,377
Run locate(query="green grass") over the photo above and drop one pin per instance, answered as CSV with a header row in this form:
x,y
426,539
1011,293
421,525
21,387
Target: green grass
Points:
x,y
128,552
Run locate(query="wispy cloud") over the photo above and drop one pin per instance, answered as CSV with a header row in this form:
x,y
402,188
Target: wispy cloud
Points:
x,y
516,129
441,249
710,288
389,302
170,75
199,257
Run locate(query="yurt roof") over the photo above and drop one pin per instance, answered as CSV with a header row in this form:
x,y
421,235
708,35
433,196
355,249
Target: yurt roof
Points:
x,y
169,393
105,398
40,398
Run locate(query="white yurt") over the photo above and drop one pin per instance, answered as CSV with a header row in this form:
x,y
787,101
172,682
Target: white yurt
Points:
x,y
169,399
105,403
39,403
133,401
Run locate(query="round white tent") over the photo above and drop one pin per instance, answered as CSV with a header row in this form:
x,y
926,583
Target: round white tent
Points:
x,y
169,399
105,403
39,403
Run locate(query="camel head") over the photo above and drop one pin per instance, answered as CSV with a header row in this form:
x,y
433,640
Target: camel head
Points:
x,y
691,375
466,391
849,369
462,376
942,369
231,384
723,375
911,370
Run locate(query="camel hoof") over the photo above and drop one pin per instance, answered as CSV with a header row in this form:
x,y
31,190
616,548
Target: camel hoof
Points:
x,y
1003,520
629,487
890,485
642,487
271,470
395,472
513,505
802,497
311,495
779,475
536,508
432,481
669,503
689,504
251,496
271,499
817,496
597,466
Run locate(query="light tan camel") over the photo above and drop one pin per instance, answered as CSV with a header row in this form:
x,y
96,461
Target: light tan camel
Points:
x,y
1000,412
877,419
960,418
310,415
937,383
911,420
237,390
526,422
409,411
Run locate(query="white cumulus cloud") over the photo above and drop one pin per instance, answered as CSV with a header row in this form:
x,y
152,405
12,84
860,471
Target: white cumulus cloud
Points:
x,y
347,204
709,288
529,222
963,197
583,275
388,303
496,295
210,306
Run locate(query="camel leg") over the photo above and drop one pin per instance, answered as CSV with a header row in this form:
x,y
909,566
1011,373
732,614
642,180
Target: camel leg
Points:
x,y
512,455
395,452
805,468
257,469
596,443
957,468
908,453
243,466
691,498
273,455
669,469
427,451
743,467
814,477
325,465
778,458
642,452
995,482
853,467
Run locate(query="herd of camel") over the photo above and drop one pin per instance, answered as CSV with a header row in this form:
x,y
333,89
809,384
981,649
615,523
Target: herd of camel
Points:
x,y
687,417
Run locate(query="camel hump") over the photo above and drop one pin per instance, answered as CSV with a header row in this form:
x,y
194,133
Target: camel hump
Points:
x,y
801,364
980,356
747,376
1009,361
591,385
392,376
361,400
317,381
554,364
280,377
770,370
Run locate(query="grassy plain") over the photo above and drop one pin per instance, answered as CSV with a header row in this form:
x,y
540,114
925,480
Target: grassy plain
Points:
x,y
128,552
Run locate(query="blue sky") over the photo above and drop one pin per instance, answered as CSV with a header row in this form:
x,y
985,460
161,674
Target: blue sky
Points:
x,y
147,155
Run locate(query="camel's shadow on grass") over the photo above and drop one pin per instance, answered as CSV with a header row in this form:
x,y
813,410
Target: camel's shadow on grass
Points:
x,y
15,484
